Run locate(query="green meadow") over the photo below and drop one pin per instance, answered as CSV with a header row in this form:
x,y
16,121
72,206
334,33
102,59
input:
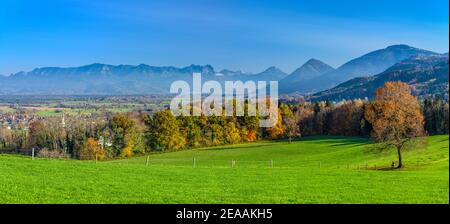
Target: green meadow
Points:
x,y
311,170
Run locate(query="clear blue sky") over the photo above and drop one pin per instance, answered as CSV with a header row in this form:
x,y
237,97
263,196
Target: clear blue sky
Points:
x,y
247,35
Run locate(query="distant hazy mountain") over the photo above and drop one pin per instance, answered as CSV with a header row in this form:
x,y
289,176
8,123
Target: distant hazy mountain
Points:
x,y
367,65
270,74
120,79
93,79
311,69
427,75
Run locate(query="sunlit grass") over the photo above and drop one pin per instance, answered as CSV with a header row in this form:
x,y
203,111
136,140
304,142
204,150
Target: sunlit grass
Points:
x,y
312,170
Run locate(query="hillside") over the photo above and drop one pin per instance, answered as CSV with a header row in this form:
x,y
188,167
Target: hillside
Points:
x,y
313,170
367,65
311,69
428,76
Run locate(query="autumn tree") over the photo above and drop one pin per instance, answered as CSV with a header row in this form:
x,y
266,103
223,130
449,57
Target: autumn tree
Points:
x,y
396,117
320,113
5,138
304,115
289,122
346,118
277,130
56,134
249,124
232,134
124,135
92,150
214,130
190,128
163,132
37,134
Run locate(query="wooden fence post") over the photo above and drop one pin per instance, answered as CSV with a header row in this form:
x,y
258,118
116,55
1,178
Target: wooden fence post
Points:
x,y
147,160
32,153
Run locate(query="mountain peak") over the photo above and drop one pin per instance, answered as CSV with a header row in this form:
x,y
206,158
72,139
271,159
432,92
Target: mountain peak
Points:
x,y
270,74
194,66
369,64
312,68
273,69
314,61
95,65
428,75
400,46
377,61
143,66
204,69
318,64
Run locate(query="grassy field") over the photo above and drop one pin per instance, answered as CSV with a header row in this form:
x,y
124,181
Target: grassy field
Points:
x,y
44,111
52,112
6,109
313,170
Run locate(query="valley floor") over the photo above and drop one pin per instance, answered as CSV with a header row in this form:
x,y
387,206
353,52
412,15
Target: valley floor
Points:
x,y
311,170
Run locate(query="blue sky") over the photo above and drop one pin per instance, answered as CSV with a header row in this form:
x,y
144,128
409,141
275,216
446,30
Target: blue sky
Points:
x,y
242,35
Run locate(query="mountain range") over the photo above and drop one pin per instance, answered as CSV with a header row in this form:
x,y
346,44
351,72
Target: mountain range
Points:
x,y
313,78
367,65
427,75
106,79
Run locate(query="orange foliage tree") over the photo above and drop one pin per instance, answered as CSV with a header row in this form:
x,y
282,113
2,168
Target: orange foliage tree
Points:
x,y
277,131
92,150
396,117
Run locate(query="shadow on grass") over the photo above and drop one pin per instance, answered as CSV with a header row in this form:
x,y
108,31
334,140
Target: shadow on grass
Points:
x,y
444,139
337,140
383,168
237,147
349,144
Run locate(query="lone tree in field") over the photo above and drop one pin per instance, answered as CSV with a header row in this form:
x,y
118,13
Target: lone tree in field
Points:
x,y
396,117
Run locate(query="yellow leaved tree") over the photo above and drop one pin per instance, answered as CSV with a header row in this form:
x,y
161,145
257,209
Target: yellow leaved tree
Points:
x,y
395,117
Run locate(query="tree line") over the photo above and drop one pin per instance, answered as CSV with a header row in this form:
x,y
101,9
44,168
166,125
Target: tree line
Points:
x,y
118,135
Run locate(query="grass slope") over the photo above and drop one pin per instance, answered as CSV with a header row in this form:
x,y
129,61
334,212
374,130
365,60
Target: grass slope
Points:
x,y
313,170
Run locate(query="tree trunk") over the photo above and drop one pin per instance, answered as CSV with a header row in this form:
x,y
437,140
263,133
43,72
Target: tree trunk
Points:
x,y
399,152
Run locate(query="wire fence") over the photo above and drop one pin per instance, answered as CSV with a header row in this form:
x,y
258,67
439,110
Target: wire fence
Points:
x,y
196,162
